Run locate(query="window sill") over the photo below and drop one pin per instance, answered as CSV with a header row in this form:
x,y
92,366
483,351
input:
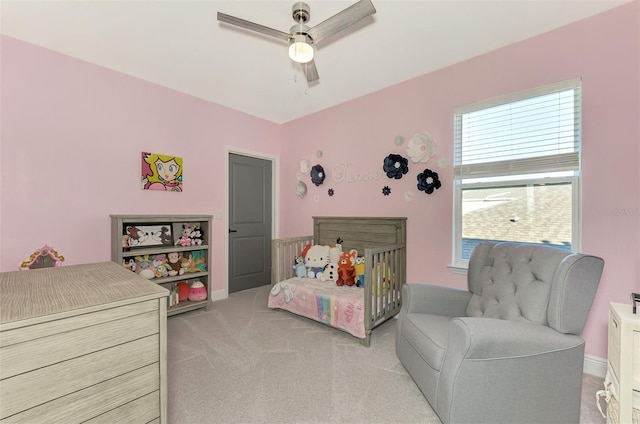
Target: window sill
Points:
x,y
457,269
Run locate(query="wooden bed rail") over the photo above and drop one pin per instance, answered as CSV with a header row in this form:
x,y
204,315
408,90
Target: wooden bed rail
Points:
x,y
283,255
384,275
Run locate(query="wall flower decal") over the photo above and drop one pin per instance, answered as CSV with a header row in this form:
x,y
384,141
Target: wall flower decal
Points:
x,y
395,166
317,175
331,192
399,140
305,166
421,147
428,181
386,190
301,189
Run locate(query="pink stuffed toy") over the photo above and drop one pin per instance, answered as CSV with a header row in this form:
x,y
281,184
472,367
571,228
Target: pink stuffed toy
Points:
x,y
197,291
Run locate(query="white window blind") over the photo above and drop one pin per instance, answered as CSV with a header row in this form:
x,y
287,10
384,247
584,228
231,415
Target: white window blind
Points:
x,y
536,131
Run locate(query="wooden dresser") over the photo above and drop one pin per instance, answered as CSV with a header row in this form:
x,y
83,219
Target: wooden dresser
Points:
x,y
82,343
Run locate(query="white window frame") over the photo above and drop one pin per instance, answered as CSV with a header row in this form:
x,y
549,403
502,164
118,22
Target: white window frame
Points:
x,y
459,265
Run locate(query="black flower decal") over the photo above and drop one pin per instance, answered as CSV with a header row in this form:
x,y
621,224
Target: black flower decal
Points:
x,y
428,181
331,192
386,190
395,166
317,175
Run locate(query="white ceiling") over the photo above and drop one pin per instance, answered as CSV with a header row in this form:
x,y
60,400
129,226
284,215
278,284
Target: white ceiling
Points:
x,y
180,44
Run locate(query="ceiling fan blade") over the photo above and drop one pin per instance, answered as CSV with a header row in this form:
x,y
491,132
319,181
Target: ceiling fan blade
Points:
x,y
310,71
342,20
222,17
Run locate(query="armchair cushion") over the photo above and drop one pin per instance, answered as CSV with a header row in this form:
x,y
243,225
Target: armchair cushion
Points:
x,y
512,281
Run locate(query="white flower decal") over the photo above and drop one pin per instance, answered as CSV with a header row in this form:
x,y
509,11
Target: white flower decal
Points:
x,y
421,147
305,166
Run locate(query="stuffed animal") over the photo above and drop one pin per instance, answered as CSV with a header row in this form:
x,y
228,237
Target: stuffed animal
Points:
x,y
335,250
317,257
144,267
359,269
129,264
381,276
159,265
196,235
197,291
185,239
174,265
198,263
183,291
186,261
330,273
300,269
346,271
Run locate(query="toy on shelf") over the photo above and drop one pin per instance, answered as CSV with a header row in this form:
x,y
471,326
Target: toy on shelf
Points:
x,y
185,239
197,291
183,291
174,264
196,235
144,267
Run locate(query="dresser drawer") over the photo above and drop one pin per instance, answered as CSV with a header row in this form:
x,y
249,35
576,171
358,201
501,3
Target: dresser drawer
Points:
x,y
141,410
42,385
96,402
36,353
49,328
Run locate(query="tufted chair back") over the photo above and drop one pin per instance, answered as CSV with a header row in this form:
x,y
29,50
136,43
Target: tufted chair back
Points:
x,y
535,284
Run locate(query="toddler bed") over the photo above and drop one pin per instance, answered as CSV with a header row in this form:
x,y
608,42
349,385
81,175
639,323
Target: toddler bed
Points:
x,y
356,310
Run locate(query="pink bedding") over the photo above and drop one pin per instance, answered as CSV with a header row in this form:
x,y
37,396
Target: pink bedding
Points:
x,y
338,306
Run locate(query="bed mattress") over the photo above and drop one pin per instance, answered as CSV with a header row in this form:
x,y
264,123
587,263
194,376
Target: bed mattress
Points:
x,y
338,306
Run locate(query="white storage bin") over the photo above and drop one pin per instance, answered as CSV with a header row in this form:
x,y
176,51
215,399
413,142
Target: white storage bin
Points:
x,y
610,394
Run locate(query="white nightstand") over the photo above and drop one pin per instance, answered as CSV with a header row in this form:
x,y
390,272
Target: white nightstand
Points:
x,y
624,357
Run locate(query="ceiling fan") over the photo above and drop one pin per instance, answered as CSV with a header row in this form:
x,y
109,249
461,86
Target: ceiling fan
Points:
x,y
301,38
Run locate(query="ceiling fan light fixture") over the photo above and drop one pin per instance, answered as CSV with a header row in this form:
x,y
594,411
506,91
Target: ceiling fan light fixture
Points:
x,y
300,50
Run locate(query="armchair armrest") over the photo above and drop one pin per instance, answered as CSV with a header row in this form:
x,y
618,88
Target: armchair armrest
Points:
x,y
435,300
489,338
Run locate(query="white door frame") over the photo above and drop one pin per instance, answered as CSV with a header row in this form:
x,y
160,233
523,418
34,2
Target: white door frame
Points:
x,y
275,202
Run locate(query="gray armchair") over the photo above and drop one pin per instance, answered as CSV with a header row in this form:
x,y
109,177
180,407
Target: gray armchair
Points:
x,y
508,350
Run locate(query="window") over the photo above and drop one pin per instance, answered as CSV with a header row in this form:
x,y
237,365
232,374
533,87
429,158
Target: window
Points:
x,y
517,170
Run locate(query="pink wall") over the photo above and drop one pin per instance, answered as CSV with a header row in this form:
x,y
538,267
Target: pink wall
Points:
x,y
72,134
604,50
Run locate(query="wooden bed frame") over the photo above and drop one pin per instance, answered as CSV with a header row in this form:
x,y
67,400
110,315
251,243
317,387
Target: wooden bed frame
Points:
x,y
379,240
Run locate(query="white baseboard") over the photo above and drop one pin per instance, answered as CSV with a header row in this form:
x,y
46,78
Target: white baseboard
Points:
x,y
595,366
219,295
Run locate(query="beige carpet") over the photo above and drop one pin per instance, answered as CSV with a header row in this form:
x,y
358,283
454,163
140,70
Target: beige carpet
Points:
x,y
244,363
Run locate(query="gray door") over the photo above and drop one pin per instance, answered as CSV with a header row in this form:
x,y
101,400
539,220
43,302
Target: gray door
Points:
x,y
249,222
